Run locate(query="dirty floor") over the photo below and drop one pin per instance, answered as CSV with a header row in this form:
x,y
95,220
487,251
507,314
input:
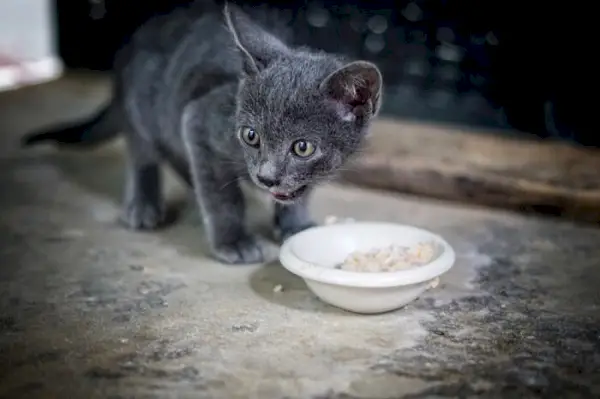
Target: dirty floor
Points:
x,y
91,310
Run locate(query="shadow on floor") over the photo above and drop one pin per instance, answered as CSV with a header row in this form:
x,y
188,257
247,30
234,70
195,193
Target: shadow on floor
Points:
x,y
295,294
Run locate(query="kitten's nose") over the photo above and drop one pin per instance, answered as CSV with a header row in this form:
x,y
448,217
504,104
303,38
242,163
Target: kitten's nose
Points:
x,y
267,181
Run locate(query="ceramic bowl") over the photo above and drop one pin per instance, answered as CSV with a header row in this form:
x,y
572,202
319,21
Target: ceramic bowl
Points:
x,y
314,253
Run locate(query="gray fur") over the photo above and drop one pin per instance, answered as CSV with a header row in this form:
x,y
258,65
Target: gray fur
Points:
x,y
189,82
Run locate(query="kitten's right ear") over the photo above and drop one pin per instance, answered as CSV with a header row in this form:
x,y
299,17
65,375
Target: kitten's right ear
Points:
x,y
257,47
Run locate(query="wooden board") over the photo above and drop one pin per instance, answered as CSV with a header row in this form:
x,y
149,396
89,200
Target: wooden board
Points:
x,y
462,165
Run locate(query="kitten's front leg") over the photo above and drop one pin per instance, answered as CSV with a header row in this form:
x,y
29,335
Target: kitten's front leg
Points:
x,y
293,218
222,204
220,199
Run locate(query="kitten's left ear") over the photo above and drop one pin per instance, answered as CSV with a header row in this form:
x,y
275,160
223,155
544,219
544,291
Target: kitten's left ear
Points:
x,y
257,47
355,90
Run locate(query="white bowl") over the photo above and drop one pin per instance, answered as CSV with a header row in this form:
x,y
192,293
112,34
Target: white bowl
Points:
x,y
313,254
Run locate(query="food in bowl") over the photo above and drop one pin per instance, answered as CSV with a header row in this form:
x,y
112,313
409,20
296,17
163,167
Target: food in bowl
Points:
x,y
389,259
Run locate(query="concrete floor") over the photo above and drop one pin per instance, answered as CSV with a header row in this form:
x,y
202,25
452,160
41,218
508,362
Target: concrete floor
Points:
x,y
91,310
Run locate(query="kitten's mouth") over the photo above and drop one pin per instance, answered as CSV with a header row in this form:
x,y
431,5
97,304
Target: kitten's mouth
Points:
x,y
288,196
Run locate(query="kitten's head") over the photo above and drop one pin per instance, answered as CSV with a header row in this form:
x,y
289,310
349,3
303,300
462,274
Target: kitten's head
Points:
x,y
300,115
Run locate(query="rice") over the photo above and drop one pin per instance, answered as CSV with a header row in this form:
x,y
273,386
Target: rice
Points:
x,y
389,259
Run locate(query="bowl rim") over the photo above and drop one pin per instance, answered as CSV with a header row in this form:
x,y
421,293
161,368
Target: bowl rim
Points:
x,y
310,271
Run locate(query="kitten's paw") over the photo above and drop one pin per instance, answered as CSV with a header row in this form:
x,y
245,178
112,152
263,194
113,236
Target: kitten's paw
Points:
x,y
142,215
295,229
247,250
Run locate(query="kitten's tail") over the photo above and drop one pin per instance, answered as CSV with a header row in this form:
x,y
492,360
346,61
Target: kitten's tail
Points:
x,y
98,128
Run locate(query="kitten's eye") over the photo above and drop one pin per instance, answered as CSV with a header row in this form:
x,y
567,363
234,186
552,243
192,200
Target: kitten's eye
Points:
x,y
303,148
250,136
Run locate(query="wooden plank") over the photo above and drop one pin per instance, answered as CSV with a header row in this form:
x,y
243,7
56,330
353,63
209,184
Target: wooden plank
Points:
x,y
476,167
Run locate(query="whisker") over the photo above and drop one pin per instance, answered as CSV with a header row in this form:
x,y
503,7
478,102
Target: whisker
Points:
x,y
230,182
347,169
226,162
323,179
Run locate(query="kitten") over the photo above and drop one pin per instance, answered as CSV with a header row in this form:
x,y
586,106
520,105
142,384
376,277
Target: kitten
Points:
x,y
221,99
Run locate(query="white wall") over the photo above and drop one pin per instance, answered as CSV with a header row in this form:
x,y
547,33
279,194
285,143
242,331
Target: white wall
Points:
x,y
28,51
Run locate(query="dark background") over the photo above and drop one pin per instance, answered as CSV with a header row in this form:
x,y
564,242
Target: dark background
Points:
x,y
501,64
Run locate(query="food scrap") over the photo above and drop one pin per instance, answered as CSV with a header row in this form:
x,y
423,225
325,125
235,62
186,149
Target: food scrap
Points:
x,y
278,288
331,219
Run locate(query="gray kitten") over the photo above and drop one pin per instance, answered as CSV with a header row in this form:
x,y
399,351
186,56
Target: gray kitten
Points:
x,y
220,99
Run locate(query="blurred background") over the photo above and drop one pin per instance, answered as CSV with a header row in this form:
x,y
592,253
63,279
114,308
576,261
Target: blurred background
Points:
x,y
500,64
521,73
